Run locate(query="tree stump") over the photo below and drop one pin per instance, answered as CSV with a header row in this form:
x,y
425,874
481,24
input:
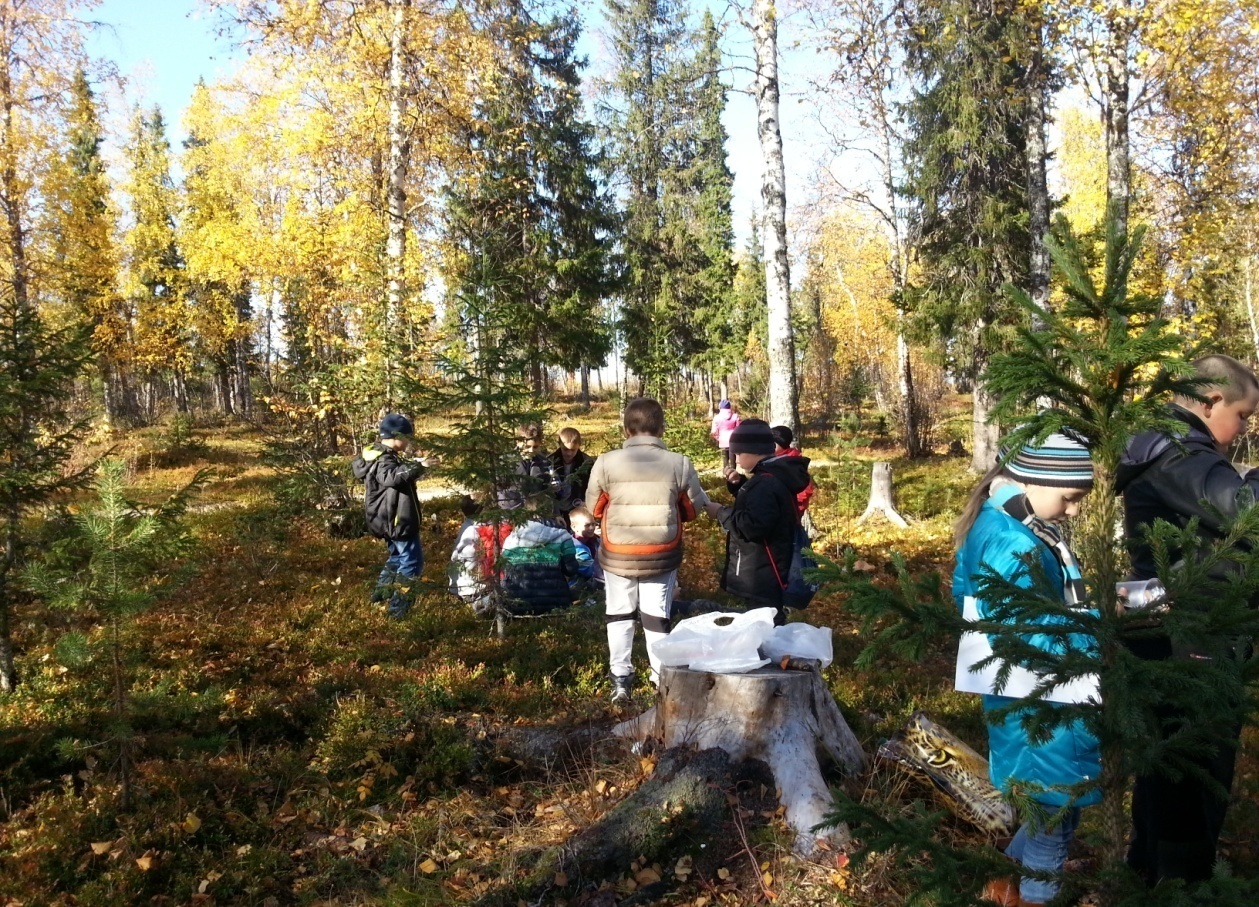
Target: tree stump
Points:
x,y
881,496
770,714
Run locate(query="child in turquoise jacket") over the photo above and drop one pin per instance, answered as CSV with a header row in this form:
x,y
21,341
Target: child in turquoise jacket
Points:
x,y
1010,519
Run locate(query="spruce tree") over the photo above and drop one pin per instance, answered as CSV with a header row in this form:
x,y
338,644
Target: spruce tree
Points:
x,y
649,110
111,568
1107,364
528,213
712,219
83,273
966,181
38,367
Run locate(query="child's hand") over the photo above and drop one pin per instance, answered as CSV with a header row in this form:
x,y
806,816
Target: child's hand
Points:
x,y
429,462
712,508
733,476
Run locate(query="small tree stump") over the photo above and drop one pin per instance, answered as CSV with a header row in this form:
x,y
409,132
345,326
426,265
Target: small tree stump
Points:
x,y
770,714
881,496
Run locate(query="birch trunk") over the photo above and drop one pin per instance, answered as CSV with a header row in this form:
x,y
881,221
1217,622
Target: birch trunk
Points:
x,y
396,196
1115,108
783,398
1037,174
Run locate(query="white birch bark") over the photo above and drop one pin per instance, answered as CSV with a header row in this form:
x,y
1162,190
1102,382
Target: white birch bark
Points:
x,y
1115,110
783,398
396,195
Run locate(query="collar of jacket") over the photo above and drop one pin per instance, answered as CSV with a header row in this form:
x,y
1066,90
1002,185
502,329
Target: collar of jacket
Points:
x,y
644,441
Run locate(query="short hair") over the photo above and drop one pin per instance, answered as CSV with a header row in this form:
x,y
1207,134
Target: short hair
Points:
x,y
644,416
469,506
1234,379
783,435
530,431
581,512
568,435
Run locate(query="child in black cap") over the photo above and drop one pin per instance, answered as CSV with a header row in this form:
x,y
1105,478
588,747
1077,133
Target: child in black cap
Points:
x,y
393,509
761,524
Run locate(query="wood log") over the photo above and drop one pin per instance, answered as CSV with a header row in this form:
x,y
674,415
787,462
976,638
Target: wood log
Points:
x,y
770,714
881,496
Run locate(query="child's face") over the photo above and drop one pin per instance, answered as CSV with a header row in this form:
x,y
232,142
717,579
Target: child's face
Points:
x,y
569,449
583,527
1227,421
1054,504
398,444
528,446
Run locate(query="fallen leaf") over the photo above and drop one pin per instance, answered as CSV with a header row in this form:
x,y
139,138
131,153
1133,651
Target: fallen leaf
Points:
x,y
767,879
561,880
723,873
428,866
359,844
101,847
147,862
646,876
191,823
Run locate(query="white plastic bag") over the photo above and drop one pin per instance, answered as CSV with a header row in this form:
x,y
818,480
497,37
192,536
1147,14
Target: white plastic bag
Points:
x,y
800,641
719,642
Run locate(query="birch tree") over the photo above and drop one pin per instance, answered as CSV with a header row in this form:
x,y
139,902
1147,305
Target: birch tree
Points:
x,y
783,394
867,88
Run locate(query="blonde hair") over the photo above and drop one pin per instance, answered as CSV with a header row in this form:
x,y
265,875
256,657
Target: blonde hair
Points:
x,y
1233,379
568,434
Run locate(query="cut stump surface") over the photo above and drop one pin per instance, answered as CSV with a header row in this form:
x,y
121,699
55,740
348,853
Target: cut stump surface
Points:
x,y
777,716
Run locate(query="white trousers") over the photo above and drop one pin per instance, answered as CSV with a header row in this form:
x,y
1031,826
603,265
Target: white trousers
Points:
x,y
647,598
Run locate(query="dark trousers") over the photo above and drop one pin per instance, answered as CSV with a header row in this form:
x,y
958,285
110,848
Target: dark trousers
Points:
x,y
1176,824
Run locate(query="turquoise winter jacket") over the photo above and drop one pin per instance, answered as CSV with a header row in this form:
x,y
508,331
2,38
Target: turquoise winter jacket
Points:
x,y
1071,754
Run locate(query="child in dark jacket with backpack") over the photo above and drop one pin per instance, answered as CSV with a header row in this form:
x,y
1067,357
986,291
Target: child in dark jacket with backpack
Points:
x,y
761,524
393,510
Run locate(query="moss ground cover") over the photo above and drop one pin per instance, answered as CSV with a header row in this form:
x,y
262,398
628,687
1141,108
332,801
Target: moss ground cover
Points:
x,y
296,747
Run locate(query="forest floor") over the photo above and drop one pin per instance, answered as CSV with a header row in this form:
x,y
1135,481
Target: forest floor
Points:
x,y
294,746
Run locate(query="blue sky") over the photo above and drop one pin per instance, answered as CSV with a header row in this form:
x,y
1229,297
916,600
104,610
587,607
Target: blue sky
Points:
x,y
162,47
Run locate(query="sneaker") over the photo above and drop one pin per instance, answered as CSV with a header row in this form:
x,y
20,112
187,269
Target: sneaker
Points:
x,y
622,688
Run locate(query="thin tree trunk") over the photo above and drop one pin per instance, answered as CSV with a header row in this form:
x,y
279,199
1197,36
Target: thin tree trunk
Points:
x,y
1115,109
1249,265
783,396
396,246
1037,173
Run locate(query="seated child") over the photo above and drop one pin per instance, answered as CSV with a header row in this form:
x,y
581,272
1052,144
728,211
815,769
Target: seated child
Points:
x,y
586,541
570,466
539,559
472,560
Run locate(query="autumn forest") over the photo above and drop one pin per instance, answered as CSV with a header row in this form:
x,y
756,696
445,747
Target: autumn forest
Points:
x,y
490,215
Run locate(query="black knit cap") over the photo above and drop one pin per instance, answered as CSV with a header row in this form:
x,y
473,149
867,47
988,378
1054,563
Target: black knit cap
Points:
x,y
753,436
396,425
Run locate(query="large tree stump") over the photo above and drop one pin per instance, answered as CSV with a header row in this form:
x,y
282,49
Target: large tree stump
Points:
x,y
770,714
881,496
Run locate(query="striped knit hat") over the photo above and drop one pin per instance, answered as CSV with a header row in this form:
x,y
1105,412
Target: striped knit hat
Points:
x,y
1060,461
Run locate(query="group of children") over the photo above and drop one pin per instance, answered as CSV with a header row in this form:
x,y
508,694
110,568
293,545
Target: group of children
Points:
x,y
625,512
1011,521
